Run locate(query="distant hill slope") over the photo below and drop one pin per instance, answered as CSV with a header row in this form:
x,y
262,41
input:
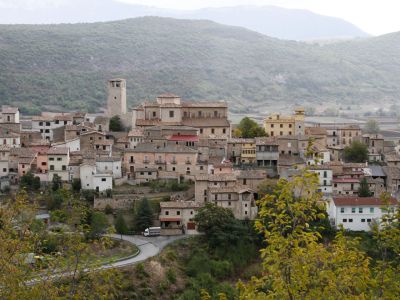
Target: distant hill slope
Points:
x,y
283,23
67,65
293,24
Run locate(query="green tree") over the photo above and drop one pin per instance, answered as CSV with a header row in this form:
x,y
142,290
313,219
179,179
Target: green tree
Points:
x,y
56,183
387,237
363,190
372,126
220,227
120,225
30,181
296,265
357,152
248,128
144,215
76,185
98,225
116,124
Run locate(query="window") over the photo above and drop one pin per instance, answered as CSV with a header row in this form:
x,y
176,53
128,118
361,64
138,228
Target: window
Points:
x,y
371,210
215,113
342,210
154,114
229,203
199,113
344,220
216,197
47,123
325,174
57,121
245,212
350,220
224,131
272,125
201,130
4,169
369,220
40,123
362,220
178,212
103,179
171,113
51,167
353,210
245,205
281,133
244,181
58,158
47,131
281,125
229,196
212,130
51,158
149,173
166,212
64,168
191,212
360,210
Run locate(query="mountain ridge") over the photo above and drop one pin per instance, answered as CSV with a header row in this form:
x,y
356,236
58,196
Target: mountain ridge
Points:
x,y
271,20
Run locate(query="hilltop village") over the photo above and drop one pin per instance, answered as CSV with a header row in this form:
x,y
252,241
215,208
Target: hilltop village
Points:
x,y
170,139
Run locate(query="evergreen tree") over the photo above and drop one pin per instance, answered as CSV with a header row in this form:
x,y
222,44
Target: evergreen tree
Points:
x,y
120,225
56,183
116,124
144,215
363,190
76,185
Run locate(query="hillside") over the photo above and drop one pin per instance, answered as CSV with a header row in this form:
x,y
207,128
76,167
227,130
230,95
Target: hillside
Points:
x,y
66,66
283,23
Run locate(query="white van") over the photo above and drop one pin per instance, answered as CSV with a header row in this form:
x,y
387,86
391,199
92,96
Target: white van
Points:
x,y
152,231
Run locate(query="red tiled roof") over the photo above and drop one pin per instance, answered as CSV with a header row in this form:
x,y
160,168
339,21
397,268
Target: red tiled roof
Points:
x,y
184,138
354,201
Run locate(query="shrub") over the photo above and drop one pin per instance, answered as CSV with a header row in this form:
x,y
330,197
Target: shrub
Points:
x,y
171,276
221,269
140,271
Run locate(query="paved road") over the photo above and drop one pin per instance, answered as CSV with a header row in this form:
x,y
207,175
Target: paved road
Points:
x,y
148,246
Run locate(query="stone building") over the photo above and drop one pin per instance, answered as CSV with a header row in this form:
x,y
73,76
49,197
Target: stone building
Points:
x,y
280,125
210,118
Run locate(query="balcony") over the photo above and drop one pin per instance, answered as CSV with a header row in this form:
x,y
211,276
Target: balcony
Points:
x,y
131,161
146,161
160,162
173,162
188,162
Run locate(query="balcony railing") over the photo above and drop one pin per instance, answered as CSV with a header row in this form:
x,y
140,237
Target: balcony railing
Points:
x,y
160,162
173,162
146,161
188,162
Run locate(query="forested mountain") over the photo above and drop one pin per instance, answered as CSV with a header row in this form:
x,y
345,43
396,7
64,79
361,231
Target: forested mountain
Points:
x,y
66,66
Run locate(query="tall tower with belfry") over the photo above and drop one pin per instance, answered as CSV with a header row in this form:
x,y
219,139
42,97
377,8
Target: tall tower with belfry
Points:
x,y
116,102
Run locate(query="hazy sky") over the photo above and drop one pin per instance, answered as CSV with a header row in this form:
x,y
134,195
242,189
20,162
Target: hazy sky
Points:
x,y
373,16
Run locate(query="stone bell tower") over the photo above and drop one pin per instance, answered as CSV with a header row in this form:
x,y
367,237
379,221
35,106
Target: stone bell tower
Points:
x,y
116,102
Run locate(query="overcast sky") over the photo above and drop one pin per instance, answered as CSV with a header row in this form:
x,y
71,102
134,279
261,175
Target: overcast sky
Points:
x,y
373,16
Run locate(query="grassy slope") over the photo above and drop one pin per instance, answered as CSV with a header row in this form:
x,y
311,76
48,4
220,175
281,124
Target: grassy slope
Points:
x,y
67,65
